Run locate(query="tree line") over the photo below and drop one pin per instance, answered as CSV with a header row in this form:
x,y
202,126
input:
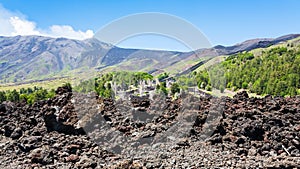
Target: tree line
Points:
x,y
102,84
275,71
29,95
124,80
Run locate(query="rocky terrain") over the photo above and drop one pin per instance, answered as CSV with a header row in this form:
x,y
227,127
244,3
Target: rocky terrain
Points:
x,y
82,131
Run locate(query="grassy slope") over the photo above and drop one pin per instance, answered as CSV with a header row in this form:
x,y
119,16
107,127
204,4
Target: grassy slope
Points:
x,y
48,84
73,77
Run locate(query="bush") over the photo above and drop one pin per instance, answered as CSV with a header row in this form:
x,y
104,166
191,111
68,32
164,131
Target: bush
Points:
x,y
208,88
13,96
2,96
68,86
164,90
244,85
175,88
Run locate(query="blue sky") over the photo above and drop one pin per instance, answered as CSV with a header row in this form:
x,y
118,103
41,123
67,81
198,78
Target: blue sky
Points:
x,y
223,22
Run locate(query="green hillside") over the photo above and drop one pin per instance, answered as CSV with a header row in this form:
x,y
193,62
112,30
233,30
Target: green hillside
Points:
x,y
274,70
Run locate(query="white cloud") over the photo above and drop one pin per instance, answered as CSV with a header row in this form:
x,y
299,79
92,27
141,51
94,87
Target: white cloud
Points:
x,y
22,27
68,32
13,24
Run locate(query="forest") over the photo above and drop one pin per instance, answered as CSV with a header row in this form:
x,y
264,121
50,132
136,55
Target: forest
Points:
x,y
275,71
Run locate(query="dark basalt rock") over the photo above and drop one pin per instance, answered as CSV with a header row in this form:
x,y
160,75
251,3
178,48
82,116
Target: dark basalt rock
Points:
x,y
17,133
254,132
2,108
62,90
241,95
182,133
140,101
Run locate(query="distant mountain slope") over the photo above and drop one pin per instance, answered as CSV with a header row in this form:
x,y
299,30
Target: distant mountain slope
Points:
x,y
274,70
35,57
240,47
244,46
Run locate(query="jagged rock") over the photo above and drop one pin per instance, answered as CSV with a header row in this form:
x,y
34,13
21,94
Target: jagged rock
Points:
x,y
42,156
142,102
86,162
73,148
8,129
72,158
2,108
183,142
62,90
241,95
240,140
249,133
17,133
253,132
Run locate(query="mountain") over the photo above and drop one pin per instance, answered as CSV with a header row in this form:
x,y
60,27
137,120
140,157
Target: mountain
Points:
x,y
30,57
244,46
240,47
25,58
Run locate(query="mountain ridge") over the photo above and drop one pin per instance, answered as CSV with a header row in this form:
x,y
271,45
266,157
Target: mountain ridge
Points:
x,y
36,57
